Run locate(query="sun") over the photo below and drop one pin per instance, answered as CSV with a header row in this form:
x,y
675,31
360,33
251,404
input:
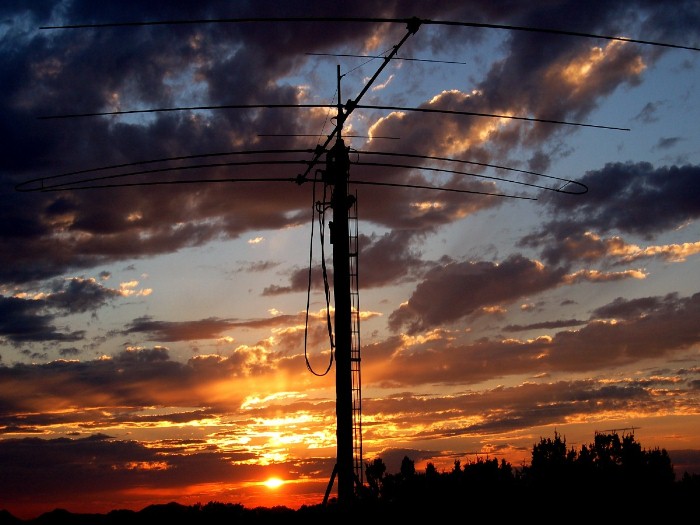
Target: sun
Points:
x,y
273,483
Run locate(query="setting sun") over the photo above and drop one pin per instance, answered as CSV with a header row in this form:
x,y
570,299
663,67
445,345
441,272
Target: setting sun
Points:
x,y
273,483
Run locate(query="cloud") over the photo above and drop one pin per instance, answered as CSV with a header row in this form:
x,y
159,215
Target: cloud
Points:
x,y
489,413
211,328
668,142
452,291
634,198
30,316
54,470
589,247
26,320
133,377
547,325
649,112
637,308
390,258
179,331
622,333
77,295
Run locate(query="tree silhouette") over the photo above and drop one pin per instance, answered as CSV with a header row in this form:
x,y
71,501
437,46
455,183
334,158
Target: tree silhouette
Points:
x,y
408,468
375,474
550,463
614,470
610,465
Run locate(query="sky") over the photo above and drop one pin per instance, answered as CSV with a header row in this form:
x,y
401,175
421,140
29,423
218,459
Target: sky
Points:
x,y
528,240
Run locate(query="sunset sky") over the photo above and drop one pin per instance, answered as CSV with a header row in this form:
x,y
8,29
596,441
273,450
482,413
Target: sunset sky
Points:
x,y
154,342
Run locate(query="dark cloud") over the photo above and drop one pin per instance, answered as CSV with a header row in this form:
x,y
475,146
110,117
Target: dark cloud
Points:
x,y
302,279
212,328
452,291
179,331
54,470
548,325
649,328
71,351
390,258
258,266
666,328
138,377
32,319
649,112
26,320
632,198
668,142
79,295
505,409
635,308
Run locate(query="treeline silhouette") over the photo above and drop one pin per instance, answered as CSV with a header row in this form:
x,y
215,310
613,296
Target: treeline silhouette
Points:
x,y
612,478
